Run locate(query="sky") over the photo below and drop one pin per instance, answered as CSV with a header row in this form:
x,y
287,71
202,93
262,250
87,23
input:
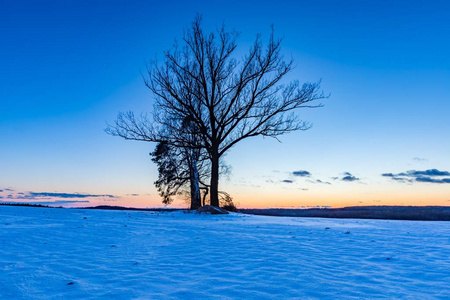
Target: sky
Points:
x,y
382,138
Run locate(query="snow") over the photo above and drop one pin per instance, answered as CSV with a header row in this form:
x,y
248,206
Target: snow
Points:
x,y
90,254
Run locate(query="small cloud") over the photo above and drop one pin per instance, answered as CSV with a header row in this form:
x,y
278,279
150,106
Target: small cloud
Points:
x,y
10,190
301,173
1,191
134,195
287,181
349,177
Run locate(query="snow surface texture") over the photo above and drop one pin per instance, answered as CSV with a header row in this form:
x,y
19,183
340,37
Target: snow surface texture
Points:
x,y
74,253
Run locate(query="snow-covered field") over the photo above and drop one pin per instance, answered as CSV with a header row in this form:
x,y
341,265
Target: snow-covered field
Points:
x,y
74,253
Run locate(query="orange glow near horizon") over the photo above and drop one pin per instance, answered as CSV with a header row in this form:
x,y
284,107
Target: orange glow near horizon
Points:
x,y
301,200
335,196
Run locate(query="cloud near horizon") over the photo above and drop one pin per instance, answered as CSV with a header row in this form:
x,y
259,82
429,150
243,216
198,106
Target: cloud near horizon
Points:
x,y
68,195
46,202
53,196
420,176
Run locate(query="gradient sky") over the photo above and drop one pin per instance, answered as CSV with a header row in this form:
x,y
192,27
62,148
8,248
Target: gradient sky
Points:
x,y
68,68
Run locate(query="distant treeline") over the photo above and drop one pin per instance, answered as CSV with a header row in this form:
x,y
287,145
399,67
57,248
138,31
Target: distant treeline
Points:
x,y
23,204
111,207
416,213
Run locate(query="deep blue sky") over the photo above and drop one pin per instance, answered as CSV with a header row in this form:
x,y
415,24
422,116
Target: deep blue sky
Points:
x,y
68,67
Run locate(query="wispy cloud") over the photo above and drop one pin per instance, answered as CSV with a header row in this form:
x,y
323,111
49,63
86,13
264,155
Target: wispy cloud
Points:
x,y
323,182
52,196
430,176
420,159
47,202
287,181
68,195
397,178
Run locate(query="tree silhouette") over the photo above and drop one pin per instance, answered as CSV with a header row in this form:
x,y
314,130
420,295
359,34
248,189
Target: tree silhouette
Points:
x,y
176,170
181,166
226,98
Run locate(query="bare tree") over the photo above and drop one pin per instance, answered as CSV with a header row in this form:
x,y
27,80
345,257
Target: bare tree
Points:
x,y
227,99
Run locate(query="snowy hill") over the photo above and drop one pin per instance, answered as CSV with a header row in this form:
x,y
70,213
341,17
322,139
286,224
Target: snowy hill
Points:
x,y
73,253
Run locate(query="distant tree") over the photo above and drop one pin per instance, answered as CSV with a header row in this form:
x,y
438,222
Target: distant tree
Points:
x,y
226,99
176,171
179,167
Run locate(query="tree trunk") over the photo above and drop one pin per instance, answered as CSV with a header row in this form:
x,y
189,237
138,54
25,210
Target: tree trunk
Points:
x,y
194,180
204,196
214,179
